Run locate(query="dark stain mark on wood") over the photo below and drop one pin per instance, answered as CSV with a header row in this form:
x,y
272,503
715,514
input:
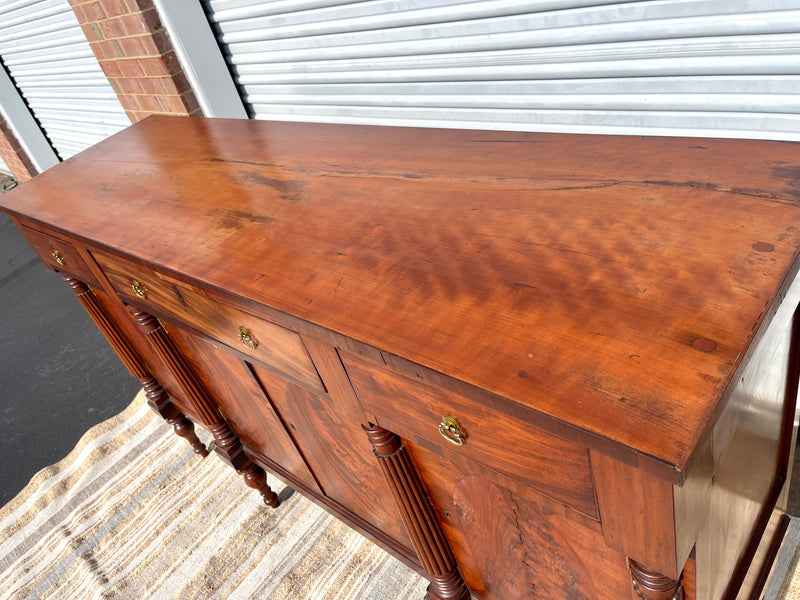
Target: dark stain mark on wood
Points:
x,y
763,247
178,294
704,345
289,189
238,216
527,285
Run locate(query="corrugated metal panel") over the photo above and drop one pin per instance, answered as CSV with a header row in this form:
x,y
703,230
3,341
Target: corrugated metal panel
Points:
x,y
675,67
49,60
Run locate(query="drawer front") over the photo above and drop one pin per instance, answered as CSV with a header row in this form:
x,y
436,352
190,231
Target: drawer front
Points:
x,y
59,255
529,456
275,347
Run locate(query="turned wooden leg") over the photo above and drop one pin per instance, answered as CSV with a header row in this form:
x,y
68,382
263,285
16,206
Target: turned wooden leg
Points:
x,y
649,585
157,397
226,443
418,516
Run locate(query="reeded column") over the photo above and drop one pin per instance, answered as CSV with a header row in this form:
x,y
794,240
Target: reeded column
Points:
x,y
418,517
650,585
157,397
227,444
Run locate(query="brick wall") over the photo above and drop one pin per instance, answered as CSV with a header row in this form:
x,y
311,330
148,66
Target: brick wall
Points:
x,y
137,56
13,155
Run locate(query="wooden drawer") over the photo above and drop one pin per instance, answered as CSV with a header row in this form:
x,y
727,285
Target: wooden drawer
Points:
x,y
279,349
531,457
58,255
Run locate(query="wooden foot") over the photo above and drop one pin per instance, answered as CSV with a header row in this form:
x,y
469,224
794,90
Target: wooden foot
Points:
x,y
418,516
227,444
157,397
649,585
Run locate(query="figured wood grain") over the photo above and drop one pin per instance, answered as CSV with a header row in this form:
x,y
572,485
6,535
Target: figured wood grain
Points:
x,y
533,458
327,432
511,544
608,282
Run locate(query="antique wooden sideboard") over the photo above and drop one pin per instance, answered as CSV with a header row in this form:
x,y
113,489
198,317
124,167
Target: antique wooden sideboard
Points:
x,y
543,366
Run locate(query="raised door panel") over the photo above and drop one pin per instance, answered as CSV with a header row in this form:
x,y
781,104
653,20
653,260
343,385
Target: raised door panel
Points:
x,y
514,544
329,435
243,404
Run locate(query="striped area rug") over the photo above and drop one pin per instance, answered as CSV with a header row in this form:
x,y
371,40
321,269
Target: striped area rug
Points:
x,y
132,513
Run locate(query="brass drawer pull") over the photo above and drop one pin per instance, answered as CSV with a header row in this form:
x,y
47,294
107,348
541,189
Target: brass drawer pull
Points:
x,y
59,257
247,338
451,431
139,290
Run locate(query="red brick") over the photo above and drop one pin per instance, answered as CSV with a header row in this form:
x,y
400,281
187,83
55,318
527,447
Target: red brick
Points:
x,y
137,116
130,68
150,103
156,85
173,65
116,8
154,67
133,24
139,5
173,104
115,85
152,19
92,32
110,68
133,46
111,49
129,86
112,28
93,11
129,102
157,43
190,101
181,83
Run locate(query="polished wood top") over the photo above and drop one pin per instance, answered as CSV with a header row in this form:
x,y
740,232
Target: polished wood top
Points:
x,y
614,283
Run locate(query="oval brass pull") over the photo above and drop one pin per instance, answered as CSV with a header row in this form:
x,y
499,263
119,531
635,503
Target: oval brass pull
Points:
x,y
451,431
247,338
139,290
59,257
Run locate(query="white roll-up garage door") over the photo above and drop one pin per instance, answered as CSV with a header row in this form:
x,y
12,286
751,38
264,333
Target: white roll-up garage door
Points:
x,y
48,58
4,170
675,67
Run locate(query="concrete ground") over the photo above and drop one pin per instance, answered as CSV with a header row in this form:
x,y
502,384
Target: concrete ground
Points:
x,y
58,375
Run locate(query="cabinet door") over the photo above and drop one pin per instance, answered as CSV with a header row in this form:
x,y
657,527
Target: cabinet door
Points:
x,y
327,431
516,502
243,404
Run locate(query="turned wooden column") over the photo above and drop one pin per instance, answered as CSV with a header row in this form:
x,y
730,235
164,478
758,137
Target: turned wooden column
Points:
x,y
418,516
227,444
649,585
157,397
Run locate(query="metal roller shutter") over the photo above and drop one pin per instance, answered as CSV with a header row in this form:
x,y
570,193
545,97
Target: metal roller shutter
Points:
x,y
675,67
49,60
